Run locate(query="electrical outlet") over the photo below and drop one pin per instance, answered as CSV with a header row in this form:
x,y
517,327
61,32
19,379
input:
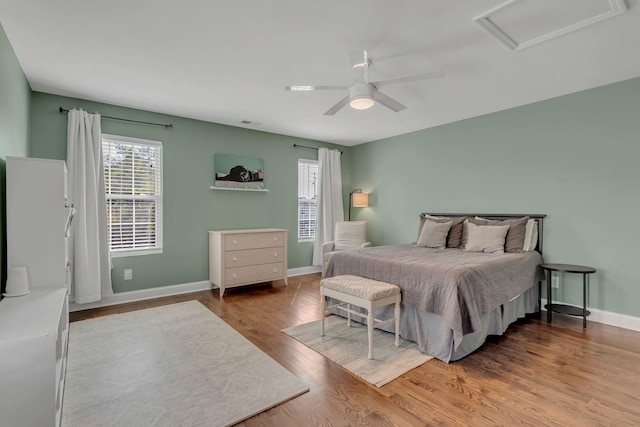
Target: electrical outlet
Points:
x,y
128,274
555,282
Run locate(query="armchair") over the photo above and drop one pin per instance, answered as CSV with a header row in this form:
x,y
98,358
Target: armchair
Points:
x,y
348,235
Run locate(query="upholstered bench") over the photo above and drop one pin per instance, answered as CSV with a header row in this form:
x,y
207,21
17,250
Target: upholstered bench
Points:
x,y
365,293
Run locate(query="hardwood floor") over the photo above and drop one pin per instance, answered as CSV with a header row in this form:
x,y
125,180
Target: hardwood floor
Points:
x,y
536,374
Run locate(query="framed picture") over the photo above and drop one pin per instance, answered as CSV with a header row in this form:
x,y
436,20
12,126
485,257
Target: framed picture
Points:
x,y
238,172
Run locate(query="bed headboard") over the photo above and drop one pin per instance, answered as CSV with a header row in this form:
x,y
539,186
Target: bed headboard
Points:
x,y
538,217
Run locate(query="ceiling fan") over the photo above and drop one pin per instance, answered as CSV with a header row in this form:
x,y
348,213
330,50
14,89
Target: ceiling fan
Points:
x,y
364,94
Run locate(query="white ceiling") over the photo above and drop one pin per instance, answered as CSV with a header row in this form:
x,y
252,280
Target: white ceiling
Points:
x,y
228,61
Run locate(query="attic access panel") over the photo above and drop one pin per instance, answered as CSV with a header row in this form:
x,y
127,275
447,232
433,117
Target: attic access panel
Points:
x,y
523,23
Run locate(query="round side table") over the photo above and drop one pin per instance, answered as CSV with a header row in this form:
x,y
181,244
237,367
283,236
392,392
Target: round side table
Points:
x,y
562,308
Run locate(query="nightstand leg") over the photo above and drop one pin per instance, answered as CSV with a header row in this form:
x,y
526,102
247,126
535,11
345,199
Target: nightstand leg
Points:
x,y
548,296
540,299
584,300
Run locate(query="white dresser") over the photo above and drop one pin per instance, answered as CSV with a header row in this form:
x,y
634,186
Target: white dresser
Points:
x,y
243,257
34,331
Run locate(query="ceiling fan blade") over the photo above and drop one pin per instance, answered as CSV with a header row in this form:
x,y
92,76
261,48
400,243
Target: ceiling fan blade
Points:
x,y
388,102
411,78
302,88
331,111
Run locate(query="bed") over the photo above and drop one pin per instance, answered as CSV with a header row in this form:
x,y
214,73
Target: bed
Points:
x,y
452,299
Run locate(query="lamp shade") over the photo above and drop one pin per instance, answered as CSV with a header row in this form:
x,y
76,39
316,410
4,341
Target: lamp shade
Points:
x,y
360,200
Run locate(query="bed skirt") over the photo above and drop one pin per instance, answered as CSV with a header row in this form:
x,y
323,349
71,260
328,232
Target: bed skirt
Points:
x,y
436,339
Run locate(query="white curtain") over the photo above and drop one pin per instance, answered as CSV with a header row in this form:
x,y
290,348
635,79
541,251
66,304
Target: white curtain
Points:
x,y
88,244
329,206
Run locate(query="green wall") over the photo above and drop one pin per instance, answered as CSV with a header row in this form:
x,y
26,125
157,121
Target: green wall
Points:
x,y
574,158
191,208
15,98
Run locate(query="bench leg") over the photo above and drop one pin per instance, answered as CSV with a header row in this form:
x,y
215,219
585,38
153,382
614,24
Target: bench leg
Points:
x,y
322,306
370,321
349,315
396,313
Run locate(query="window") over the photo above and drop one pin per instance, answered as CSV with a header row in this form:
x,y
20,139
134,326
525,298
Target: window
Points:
x,y
307,198
133,190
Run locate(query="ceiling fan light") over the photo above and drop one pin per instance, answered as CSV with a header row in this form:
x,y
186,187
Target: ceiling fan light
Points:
x,y
362,102
361,96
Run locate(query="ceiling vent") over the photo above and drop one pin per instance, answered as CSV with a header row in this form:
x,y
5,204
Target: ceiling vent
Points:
x,y
523,23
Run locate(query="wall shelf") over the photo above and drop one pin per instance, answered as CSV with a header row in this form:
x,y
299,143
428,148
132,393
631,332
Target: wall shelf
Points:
x,y
261,190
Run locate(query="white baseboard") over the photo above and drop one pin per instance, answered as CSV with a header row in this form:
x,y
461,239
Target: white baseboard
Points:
x,y
304,270
165,291
143,294
609,318
614,319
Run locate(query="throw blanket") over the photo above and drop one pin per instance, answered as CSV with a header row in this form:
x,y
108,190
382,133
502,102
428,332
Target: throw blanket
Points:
x,y
457,285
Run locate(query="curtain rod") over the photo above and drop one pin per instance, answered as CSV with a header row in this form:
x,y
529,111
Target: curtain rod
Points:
x,y
309,148
167,126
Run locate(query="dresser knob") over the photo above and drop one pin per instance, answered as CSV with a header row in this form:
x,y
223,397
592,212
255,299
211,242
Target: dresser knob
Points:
x,y
275,239
235,259
275,254
235,275
275,270
235,242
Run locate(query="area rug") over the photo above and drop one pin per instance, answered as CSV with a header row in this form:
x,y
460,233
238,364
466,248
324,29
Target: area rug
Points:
x,y
174,365
349,347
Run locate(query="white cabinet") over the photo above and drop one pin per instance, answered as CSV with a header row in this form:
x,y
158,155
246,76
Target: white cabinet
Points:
x,y
243,257
34,331
36,219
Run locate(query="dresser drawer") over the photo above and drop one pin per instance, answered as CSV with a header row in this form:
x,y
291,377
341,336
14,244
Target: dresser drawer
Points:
x,y
253,257
254,273
234,242
243,257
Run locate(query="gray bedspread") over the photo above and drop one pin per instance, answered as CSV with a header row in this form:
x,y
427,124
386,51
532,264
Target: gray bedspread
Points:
x,y
457,285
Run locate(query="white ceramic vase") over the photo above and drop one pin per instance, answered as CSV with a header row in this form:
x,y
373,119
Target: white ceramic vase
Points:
x,y
17,282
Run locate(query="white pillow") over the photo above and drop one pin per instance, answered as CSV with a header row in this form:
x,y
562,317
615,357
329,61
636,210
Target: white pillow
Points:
x,y
486,238
531,236
434,234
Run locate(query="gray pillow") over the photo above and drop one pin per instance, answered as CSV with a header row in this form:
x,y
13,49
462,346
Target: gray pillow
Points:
x,y
486,238
434,234
454,238
514,241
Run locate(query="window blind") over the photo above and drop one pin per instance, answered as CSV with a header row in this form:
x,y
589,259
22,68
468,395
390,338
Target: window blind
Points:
x,y
133,194
307,198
